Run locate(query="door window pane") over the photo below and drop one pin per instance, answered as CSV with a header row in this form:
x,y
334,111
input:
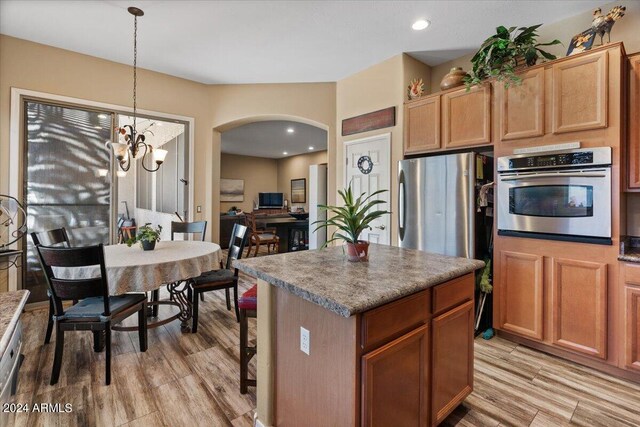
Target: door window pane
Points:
x,y
64,149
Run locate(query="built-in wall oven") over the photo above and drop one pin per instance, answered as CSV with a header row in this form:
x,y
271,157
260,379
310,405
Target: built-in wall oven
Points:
x,y
559,195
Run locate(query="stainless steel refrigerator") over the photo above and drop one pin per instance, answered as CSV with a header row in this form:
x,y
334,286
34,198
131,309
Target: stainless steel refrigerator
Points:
x,y
436,211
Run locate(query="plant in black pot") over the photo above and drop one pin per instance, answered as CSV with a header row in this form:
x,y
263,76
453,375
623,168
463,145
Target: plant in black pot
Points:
x,y
147,236
505,52
352,219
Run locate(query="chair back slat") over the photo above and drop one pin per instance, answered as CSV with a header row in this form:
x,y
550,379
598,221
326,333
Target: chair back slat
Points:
x,y
57,237
77,289
74,289
237,242
189,228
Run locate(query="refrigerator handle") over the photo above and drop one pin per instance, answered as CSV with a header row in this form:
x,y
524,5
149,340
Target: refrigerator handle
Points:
x,y
401,205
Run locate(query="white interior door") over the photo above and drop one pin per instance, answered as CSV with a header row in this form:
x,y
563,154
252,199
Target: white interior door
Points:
x,y
378,149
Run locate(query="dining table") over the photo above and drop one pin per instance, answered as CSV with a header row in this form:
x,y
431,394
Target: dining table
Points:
x,y
171,263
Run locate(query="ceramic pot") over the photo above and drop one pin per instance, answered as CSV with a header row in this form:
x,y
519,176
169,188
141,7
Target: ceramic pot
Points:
x,y
358,252
453,79
148,246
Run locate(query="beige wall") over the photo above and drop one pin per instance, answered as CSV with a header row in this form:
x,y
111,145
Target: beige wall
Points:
x,y
381,86
295,167
259,175
626,29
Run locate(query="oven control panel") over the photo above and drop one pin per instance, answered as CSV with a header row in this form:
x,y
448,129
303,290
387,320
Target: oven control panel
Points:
x,y
569,158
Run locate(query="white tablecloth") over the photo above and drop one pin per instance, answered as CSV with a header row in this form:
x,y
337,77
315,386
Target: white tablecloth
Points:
x,y
130,269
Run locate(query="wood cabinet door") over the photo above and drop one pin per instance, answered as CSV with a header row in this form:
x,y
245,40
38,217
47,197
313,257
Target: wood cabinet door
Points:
x,y
422,125
523,107
451,360
579,306
579,99
394,382
466,117
632,322
521,294
634,123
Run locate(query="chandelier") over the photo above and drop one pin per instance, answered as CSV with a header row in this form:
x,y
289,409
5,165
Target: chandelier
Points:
x,y
134,142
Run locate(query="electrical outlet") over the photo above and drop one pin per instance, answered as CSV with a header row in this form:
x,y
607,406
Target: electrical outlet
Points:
x,y
305,343
198,209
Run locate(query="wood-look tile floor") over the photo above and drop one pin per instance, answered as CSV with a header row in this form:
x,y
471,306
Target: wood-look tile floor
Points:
x,y
192,380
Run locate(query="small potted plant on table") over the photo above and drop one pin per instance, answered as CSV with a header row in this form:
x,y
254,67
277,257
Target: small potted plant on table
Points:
x,y
147,236
351,220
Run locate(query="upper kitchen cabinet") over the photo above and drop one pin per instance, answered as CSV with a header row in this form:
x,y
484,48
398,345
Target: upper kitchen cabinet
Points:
x,y
466,117
634,123
579,93
422,125
522,107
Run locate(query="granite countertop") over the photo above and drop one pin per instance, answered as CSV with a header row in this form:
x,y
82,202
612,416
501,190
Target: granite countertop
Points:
x,y
630,249
11,305
326,278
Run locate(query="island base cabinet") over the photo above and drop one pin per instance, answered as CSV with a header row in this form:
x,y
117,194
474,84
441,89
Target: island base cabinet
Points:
x,y
394,379
452,360
632,322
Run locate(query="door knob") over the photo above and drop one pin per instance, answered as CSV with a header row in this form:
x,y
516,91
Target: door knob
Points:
x,y
381,227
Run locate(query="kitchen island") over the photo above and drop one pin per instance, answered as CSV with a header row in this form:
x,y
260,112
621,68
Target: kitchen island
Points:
x,y
390,341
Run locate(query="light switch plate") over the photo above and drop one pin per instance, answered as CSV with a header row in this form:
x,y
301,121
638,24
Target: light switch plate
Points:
x,y
198,209
305,339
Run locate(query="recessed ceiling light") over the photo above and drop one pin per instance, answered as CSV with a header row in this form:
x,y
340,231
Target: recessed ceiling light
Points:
x,y
420,24
285,153
310,148
290,130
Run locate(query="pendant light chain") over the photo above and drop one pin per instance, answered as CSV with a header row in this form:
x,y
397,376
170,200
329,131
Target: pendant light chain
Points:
x,y
135,69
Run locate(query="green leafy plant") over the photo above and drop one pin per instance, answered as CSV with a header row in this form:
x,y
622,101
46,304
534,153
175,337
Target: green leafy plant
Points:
x,y
502,53
352,218
146,233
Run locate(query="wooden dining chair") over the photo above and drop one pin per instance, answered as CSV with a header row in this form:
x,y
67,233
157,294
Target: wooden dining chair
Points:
x,y
57,237
225,278
259,237
97,311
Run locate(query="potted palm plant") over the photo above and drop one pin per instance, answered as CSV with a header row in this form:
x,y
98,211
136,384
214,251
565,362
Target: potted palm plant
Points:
x,y
505,52
351,219
147,236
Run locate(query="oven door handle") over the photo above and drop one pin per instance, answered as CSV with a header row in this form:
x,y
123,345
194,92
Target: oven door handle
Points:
x,y
553,175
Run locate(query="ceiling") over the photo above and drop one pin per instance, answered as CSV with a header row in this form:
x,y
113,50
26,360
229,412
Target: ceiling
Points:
x,y
271,41
270,139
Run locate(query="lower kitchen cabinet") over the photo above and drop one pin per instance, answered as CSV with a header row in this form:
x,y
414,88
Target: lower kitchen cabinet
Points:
x,y
579,306
521,292
402,367
452,360
632,322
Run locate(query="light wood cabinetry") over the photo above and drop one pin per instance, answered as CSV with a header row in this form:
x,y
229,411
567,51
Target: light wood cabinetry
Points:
x,y
422,125
579,301
452,363
522,107
579,95
521,294
466,117
393,377
632,332
633,182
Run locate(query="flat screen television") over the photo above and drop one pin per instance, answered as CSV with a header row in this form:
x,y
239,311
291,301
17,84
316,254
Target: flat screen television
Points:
x,y
270,200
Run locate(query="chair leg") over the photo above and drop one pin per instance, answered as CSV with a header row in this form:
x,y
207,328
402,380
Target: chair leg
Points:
x,y
47,336
249,248
57,360
155,296
142,328
194,320
244,357
257,249
235,300
202,297
107,360
228,297
98,342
